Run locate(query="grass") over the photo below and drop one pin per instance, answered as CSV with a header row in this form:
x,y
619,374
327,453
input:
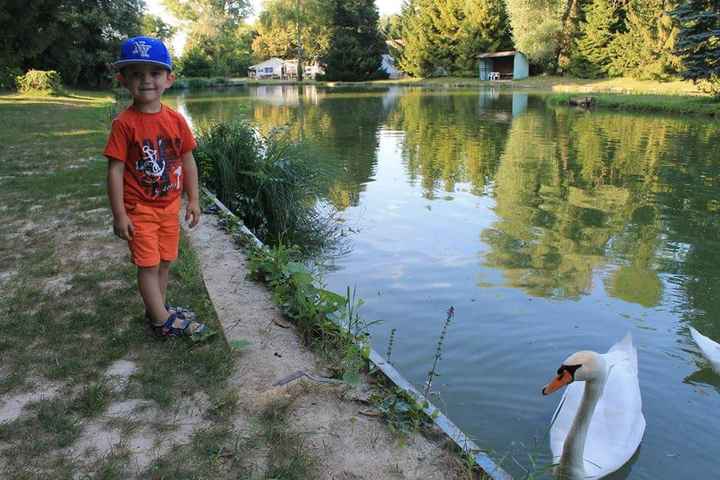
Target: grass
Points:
x,y
70,309
647,103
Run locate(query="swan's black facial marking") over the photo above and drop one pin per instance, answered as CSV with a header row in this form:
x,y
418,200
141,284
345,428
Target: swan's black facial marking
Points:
x,y
571,369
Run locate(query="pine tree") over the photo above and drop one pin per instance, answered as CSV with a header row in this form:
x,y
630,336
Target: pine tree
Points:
x,y
445,36
356,46
646,49
591,57
699,42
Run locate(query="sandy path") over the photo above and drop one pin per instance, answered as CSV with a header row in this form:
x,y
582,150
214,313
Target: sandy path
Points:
x,y
348,445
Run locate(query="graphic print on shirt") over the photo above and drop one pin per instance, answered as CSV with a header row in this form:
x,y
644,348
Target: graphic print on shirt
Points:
x,y
159,168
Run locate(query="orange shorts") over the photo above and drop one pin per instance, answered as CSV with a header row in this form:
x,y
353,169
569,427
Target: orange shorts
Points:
x,y
157,233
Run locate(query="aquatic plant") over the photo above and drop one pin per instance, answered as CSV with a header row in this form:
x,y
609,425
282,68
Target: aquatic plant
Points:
x,y
269,182
438,352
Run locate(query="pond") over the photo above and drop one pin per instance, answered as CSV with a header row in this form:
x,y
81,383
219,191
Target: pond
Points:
x,y
550,230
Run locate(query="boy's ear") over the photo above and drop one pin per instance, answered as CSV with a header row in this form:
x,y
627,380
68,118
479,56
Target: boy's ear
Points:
x,y
170,79
120,78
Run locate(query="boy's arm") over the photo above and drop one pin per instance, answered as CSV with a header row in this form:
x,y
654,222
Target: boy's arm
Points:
x,y
190,185
122,226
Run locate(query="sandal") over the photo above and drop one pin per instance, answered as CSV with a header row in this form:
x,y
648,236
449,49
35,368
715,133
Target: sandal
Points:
x,y
196,331
181,312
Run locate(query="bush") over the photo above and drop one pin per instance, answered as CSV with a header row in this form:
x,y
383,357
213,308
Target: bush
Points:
x,y
8,74
40,82
710,85
268,182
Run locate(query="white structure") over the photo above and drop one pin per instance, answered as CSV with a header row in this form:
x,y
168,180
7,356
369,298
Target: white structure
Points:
x,y
271,68
283,69
387,65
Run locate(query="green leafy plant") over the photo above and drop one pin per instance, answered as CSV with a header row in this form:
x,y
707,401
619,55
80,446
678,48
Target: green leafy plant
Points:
x,y
329,322
40,82
8,75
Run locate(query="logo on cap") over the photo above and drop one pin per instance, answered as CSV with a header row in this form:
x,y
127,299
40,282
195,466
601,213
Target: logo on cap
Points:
x,y
142,49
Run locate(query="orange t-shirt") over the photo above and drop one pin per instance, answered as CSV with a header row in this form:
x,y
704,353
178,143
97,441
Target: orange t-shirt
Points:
x,y
152,146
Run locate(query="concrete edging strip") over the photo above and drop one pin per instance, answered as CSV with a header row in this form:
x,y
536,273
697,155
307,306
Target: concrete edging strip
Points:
x,y
443,423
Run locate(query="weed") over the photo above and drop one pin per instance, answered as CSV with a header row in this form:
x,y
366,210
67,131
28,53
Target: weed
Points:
x,y
391,342
329,322
438,352
403,413
94,399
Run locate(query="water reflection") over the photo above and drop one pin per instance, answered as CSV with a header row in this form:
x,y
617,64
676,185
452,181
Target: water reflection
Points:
x,y
548,229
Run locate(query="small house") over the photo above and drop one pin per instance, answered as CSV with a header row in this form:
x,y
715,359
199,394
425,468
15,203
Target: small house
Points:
x,y
510,65
270,68
283,69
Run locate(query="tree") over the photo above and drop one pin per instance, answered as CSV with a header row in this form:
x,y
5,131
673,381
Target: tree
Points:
x,y
216,35
446,36
154,26
646,47
537,26
699,42
592,56
293,29
356,46
78,39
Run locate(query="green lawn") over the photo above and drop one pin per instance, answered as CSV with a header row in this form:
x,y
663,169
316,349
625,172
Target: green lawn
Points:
x,y
69,307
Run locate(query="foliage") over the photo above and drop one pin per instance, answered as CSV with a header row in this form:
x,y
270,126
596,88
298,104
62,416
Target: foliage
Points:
x,y
40,82
268,181
328,321
591,56
77,39
446,36
195,62
286,27
645,49
356,46
401,410
7,76
699,42
218,40
537,26
154,26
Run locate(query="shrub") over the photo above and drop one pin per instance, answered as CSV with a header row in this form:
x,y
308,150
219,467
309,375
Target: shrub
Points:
x,y
268,182
40,82
8,74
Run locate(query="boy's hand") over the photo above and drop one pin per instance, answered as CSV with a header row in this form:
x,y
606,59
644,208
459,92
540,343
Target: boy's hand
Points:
x,y
192,214
123,227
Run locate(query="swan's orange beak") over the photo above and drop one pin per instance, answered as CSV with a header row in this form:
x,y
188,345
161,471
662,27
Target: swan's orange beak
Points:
x,y
558,382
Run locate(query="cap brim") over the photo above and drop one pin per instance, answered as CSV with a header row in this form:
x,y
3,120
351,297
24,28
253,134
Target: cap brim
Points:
x,y
123,63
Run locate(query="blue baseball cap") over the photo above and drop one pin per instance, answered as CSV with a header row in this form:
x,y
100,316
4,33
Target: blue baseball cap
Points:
x,y
144,50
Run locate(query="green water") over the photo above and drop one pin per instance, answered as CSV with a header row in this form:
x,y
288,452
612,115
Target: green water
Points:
x,y
549,230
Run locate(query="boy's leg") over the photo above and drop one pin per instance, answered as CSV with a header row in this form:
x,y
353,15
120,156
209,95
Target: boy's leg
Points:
x,y
163,274
152,293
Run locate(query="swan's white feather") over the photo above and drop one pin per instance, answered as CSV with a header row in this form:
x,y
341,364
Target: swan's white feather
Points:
x,y
709,348
618,424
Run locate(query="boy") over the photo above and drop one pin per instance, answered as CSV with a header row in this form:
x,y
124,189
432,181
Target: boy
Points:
x,y
150,162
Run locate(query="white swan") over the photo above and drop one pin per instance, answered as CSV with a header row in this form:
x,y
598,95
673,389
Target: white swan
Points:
x,y
599,423
709,348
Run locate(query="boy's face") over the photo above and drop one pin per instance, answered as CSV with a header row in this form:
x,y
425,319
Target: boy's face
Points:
x,y
146,82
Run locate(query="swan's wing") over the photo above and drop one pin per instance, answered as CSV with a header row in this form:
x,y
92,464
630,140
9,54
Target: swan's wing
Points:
x,y
709,348
618,424
563,417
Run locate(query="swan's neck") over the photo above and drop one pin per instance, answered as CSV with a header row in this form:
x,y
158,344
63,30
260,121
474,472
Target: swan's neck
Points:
x,y
571,461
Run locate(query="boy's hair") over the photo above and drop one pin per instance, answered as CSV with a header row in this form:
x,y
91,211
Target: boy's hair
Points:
x,y
143,50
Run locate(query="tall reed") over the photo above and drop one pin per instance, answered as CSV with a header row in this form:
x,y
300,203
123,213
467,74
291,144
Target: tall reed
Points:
x,y
269,182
